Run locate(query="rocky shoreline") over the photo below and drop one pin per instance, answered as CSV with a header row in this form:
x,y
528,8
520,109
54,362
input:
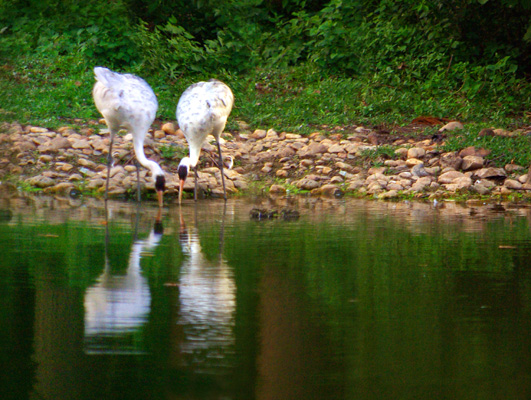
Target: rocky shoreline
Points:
x,y
70,162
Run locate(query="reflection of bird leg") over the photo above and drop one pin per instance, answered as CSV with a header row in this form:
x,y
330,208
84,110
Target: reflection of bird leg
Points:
x,y
137,165
137,220
222,230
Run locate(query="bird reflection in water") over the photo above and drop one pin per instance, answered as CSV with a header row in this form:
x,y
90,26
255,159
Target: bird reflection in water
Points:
x,y
207,304
117,306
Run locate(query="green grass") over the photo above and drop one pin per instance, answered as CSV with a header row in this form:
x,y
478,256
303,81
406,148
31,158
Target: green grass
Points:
x,y
56,91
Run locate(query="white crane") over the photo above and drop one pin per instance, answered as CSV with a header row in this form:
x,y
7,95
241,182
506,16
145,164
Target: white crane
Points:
x,y
202,110
118,304
127,101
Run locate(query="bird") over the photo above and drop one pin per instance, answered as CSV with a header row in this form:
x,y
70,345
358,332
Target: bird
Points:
x,y
207,298
203,109
120,303
127,101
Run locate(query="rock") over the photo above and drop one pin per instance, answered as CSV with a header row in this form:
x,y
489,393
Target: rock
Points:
x,y
419,170
285,151
451,160
330,191
45,158
467,151
75,177
336,148
461,183
416,152
449,177
402,152
159,134
86,163
312,150
391,194
81,144
421,184
37,129
66,167
394,186
169,128
486,132
452,126
411,162
307,184
267,168
259,134
481,188
471,163
501,132
62,188
344,166
22,147
512,184
41,181
277,189
272,134
490,173
58,143
510,168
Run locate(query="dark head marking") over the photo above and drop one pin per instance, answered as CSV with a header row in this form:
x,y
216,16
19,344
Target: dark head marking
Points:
x,y
160,183
182,171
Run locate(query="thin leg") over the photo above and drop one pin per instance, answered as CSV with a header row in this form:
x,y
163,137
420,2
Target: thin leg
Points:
x,y
109,163
221,169
137,165
195,188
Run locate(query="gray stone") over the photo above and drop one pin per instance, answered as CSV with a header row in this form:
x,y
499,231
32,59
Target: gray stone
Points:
x,y
490,173
512,184
307,184
471,163
416,152
41,181
450,176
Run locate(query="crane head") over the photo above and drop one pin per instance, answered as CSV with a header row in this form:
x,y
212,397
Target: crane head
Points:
x,y
182,171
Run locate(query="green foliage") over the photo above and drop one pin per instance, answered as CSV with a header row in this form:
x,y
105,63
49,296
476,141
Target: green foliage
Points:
x,y
172,152
294,65
384,152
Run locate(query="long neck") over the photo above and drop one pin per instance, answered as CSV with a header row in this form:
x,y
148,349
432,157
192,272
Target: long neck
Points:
x,y
141,157
195,152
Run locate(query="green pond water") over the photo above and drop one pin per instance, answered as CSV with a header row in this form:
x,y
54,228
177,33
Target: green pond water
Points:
x,y
352,300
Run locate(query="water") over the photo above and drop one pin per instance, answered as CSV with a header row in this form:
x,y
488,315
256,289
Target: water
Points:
x,y
353,300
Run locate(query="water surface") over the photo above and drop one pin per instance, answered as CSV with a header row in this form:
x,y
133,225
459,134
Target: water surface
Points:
x,y
352,300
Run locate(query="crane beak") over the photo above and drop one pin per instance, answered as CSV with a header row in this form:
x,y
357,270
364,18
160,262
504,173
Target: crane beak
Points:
x,y
160,194
181,185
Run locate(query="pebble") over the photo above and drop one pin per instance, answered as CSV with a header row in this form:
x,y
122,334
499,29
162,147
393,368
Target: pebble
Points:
x,y
316,163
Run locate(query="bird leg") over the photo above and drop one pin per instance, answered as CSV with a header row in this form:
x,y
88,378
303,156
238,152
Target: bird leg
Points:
x,y
221,169
195,188
109,163
137,165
